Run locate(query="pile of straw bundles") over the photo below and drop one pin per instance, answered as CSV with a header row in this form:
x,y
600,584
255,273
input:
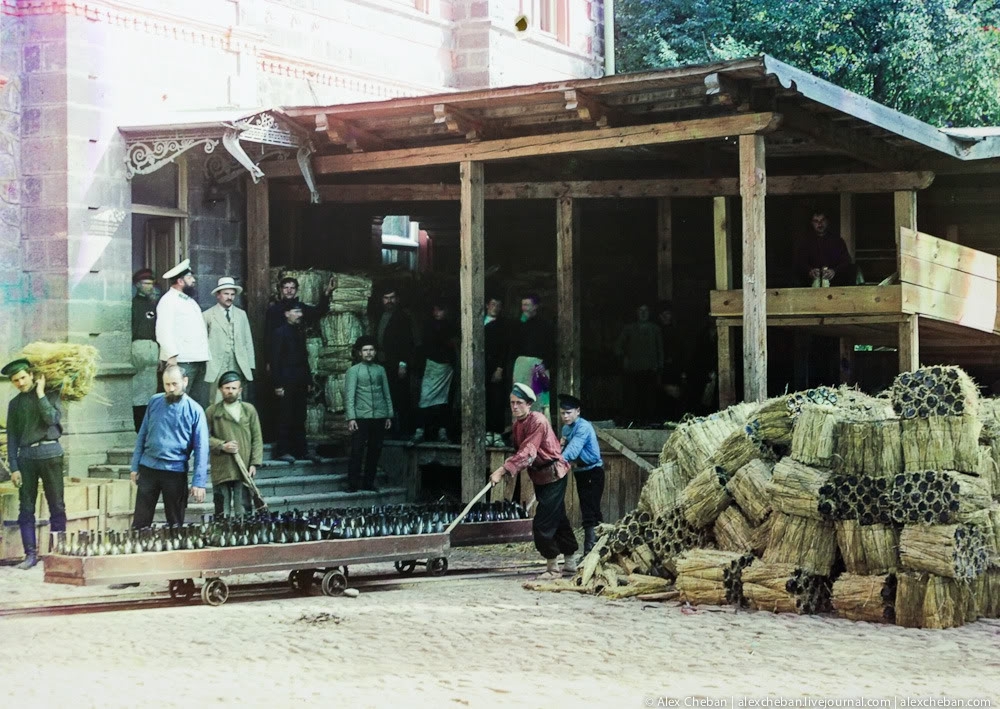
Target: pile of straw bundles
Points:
x,y
312,282
695,441
67,367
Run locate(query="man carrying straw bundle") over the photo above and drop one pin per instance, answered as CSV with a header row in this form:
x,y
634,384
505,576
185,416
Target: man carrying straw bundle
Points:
x,y
539,453
34,452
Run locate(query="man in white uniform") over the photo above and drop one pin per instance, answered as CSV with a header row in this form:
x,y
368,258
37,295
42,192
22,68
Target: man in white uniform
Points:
x,y
181,331
229,340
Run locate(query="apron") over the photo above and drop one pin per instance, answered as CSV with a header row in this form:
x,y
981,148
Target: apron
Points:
x,y
523,368
145,358
435,385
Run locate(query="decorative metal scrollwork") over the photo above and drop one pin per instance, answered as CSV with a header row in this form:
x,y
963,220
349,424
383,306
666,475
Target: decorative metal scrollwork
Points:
x,y
220,168
153,153
265,128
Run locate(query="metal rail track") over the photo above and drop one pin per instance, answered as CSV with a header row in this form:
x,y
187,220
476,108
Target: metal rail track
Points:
x,y
242,593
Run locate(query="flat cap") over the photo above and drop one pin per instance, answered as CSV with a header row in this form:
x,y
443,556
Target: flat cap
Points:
x,y
12,368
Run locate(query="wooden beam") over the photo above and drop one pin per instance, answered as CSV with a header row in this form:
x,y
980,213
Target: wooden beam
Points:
x,y
258,283
608,189
847,359
472,284
948,254
630,454
904,215
586,107
814,301
753,188
458,121
568,297
664,250
979,314
725,374
539,145
909,344
345,133
859,146
721,228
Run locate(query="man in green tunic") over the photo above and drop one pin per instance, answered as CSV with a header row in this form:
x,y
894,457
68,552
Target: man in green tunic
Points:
x,y
233,430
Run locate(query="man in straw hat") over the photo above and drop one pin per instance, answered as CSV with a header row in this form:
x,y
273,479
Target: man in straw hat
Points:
x,y
539,453
233,429
181,331
34,453
229,340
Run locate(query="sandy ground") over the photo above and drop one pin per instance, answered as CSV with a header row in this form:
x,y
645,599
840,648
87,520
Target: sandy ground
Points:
x,y
481,642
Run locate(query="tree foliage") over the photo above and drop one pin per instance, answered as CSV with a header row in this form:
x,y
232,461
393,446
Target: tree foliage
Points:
x,y
937,60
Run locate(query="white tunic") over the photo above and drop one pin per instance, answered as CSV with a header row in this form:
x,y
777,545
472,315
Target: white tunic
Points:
x,y
180,328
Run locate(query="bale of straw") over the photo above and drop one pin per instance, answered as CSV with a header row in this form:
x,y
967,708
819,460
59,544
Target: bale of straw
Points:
x,y
988,522
950,550
67,367
935,391
867,598
849,544
810,544
988,593
868,447
341,329
692,444
312,282
941,443
814,435
795,488
880,544
927,601
705,497
773,421
732,532
748,486
937,497
334,393
784,588
661,491
987,468
760,536
737,450
334,360
711,577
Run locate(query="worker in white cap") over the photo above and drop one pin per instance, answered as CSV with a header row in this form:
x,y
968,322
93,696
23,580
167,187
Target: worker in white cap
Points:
x,y
181,331
229,339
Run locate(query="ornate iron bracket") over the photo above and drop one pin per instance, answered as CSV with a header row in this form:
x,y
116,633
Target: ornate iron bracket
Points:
x,y
305,165
153,153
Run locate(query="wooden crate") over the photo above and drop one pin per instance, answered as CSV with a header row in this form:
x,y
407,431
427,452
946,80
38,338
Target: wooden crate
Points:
x,y
11,548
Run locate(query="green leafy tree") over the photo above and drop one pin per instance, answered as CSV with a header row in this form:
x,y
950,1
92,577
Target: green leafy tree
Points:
x,y
937,60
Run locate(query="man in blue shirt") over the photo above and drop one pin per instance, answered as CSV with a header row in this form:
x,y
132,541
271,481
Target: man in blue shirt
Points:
x,y
173,427
583,452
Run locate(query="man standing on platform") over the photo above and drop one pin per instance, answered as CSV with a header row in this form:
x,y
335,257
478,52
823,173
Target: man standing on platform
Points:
x,y
145,352
396,349
821,258
538,452
531,348
229,340
368,409
181,331
640,346
34,453
288,291
233,429
582,450
495,344
292,381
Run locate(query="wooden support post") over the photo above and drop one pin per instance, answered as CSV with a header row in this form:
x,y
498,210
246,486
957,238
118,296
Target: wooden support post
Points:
x,y
753,188
846,362
258,283
727,387
909,344
472,285
723,244
568,297
904,213
664,249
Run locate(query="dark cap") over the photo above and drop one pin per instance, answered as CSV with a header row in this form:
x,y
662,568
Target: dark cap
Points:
x,y
568,402
143,274
287,305
230,376
365,341
12,368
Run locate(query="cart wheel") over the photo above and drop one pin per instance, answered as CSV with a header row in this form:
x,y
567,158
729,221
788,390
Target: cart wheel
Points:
x,y
214,592
406,567
182,588
334,583
301,580
437,566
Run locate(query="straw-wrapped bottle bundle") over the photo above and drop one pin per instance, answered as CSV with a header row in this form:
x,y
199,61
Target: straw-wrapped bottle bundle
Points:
x,y
868,598
950,550
315,419
760,536
662,488
941,443
935,391
673,536
693,443
738,449
988,522
870,447
937,497
312,282
313,347
748,487
784,588
988,593
334,360
773,420
859,497
795,488
807,543
334,393
988,470
822,395
870,549
732,532
814,436
341,329
927,601
711,577
68,368
705,497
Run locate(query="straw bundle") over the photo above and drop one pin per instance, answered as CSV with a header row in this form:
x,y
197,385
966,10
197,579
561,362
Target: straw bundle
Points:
x,y
705,497
872,447
988,470
315,416
929,601
868,598
866,550
711,577
341,329
748,486
814,435
312,282
988,522
738,449
784,588
863,498
988,594
795,488
674,535
348,281
760,536
335,426
773,421
936,497
334,360
662,488
810,544
935,391
823,396
732,532
693,443
313,346
950,550
941,443
334,391
67,367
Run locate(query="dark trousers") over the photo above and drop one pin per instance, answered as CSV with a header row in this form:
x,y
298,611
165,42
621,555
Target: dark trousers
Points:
x,y
197,387
230,498
49,471
399,392
172,484
640,396
370,434
292,423
589,488
550,528
434,419
496,406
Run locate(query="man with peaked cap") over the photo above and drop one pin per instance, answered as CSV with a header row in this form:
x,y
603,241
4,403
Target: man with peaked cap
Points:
x,y
145,352
368,407
229,340
34,453
582,450
181,331
292,381
233,429
539,453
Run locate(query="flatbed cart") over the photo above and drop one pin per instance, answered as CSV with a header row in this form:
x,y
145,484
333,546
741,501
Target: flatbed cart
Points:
x,y
474,534
303,560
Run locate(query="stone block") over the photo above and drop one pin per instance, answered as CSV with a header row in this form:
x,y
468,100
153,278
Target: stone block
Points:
x,y
44,28
45,222
99,316
473,39
44,57
45,88
39,155
44,189
44,121
207,261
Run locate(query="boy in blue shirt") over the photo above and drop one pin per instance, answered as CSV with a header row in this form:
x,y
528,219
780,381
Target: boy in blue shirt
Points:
x,y
583,452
